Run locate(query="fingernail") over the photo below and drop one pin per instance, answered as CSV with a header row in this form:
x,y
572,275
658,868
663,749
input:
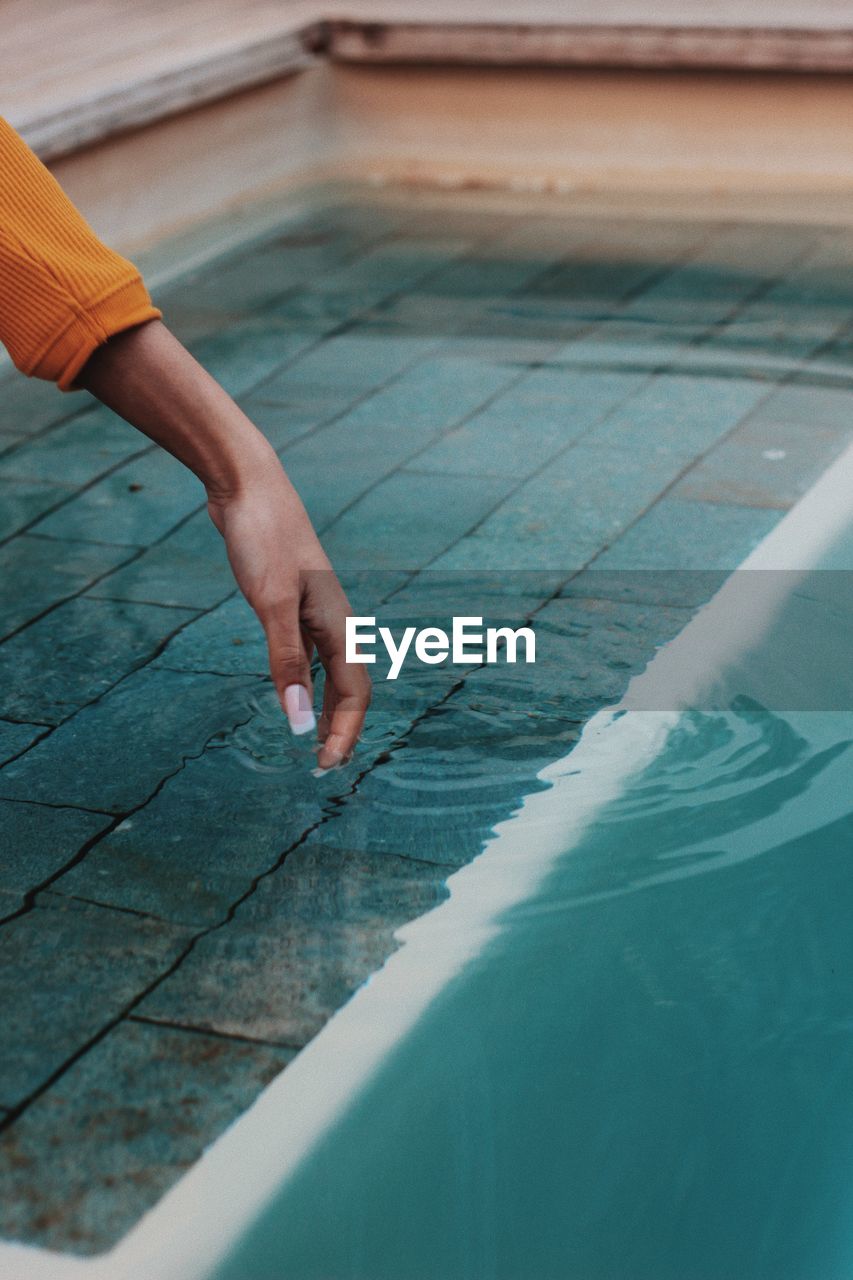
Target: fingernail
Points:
x,y
298,709
331,761
331,754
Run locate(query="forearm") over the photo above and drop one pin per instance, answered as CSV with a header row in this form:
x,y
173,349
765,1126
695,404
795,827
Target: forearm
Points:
x,y
148,378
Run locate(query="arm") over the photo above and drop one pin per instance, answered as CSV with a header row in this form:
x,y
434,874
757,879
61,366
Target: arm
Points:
x,y
145,375
74,312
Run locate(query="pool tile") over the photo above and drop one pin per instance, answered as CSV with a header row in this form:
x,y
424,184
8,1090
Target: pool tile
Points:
x,y
348,365
683,416
517,331
38,573
321,884
361,455
28,405
196,847
568,514
113,754
283,424
498,269
250,351
76,652
682,534
15,738
189,568
37,841
228,640
337,447
253,280
80,966
409,518
433,593
765,464
133,506
75,452
764,342
517,433
22,502
806,406
122,1125
730,267
374,279
684,588
300,946
274,981
437,392
391,268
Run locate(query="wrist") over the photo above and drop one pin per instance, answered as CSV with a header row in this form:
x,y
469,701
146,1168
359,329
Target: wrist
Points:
x,y
237,462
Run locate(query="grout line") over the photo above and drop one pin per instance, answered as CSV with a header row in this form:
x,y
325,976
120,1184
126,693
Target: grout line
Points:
x,y
191,1029
61,897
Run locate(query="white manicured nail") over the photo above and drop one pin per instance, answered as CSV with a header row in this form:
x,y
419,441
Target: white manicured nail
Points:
x,y
298,709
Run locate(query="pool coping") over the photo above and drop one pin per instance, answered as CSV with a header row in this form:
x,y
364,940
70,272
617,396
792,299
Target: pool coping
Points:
x,y
534,35
192,1227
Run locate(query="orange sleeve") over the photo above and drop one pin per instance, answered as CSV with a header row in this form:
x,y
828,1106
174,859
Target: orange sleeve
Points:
x,y
62,292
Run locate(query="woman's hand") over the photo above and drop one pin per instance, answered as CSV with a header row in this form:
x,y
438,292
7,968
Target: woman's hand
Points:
x,y
146,376
284,574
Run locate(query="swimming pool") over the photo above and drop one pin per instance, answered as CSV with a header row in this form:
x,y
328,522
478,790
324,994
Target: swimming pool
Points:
x,y
533,414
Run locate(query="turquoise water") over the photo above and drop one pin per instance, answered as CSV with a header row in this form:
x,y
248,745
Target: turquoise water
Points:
x,y
647,1074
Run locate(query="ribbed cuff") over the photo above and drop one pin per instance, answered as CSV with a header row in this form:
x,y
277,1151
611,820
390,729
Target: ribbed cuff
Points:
x,y
123,308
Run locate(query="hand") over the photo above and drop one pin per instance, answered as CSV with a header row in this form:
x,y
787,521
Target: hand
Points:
x,y
284,574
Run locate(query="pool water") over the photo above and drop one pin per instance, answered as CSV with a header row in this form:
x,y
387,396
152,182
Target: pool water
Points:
x,y
646,1073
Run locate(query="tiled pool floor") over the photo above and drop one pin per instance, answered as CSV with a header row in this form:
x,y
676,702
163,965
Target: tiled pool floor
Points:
x,y
509,414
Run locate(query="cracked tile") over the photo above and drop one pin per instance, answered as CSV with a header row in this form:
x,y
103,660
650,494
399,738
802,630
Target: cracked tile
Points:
x,y
76,652
119,1128
80,966
37,841
115,753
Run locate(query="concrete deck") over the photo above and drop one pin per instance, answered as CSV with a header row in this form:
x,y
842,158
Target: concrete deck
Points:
x,y
73,76
523,416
